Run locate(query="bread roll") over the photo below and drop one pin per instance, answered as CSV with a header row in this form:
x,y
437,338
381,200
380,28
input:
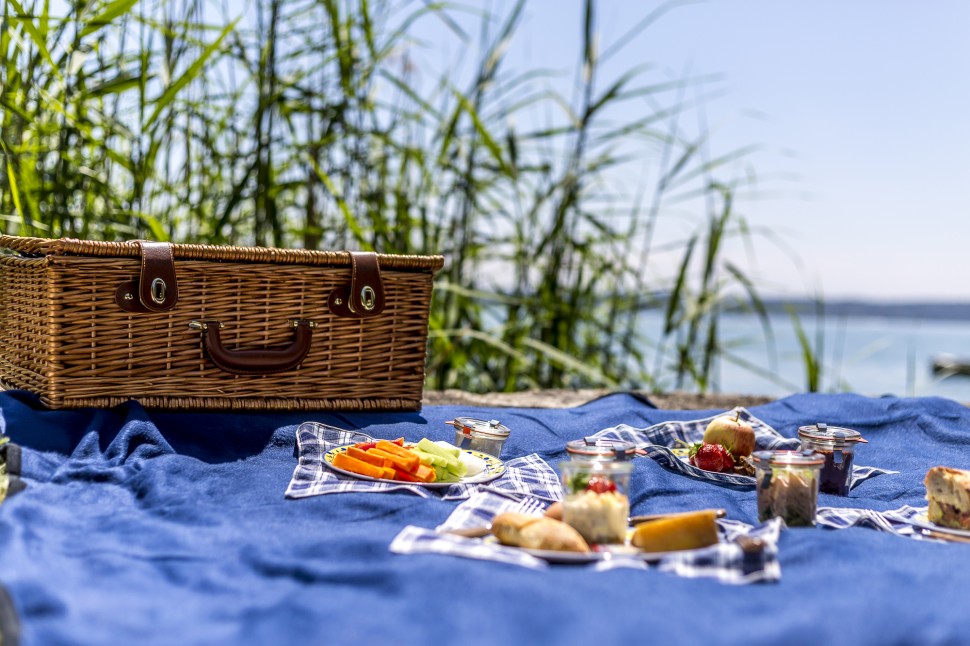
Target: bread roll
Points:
x,y
537,533
948,493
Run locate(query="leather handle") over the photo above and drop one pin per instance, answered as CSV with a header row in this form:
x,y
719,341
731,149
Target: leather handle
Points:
x,y
255,362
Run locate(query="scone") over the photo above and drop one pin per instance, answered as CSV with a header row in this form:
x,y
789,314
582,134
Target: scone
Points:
x,y
537,533
948,492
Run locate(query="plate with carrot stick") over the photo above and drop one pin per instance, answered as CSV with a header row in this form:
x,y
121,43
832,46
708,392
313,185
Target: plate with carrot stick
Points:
x,y
425,463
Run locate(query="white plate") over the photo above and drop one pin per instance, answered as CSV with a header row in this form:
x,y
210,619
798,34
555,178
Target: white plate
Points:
x,y
493,469
920,520
601,553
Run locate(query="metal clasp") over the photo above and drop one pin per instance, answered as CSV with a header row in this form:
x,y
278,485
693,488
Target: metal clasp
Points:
x,y
202,324
298,322
839,445
158,290
368,298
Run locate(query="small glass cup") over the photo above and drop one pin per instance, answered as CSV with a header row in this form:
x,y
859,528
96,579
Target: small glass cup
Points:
x,y
787,483
596,503
480,435
837,446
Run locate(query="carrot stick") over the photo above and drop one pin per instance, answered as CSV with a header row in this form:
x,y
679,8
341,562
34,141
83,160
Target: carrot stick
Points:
x,y
366,456
407,459
424,473
347,463
397,461
391,447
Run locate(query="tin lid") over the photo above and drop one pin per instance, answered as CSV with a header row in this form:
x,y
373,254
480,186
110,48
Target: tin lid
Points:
x,y
806,458
589,448
490,428
837,435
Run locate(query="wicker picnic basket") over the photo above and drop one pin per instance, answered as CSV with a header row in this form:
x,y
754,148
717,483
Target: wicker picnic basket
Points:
x,y
182,326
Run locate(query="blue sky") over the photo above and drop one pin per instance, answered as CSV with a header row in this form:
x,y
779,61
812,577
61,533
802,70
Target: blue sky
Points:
x,y
864,110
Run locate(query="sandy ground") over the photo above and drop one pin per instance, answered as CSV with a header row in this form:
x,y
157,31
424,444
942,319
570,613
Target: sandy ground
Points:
x,y
569,398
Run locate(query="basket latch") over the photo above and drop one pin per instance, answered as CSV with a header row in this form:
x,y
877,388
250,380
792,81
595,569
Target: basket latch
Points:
x,y
156,288
364,297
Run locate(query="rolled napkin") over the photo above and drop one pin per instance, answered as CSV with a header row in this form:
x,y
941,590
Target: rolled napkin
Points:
x,y
659,441
526,476
727,562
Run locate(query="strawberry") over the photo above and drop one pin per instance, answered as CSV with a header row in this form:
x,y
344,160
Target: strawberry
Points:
x,y
600,485
711,457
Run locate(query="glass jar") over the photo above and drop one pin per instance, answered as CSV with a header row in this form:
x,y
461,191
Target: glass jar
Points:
x,y
787,483
590,448
480,435
595,502
837,446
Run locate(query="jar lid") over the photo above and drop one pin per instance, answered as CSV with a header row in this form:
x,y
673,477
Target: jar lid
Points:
x,y
597,467
804,458
592,448
833,434
490,428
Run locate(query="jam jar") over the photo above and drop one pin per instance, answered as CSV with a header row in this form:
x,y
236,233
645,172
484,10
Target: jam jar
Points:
x,y
590,448
596,503
787,483
480,435
837,445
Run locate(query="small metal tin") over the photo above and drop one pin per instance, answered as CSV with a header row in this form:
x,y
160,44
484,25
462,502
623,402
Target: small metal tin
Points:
x,y
589,448
480,435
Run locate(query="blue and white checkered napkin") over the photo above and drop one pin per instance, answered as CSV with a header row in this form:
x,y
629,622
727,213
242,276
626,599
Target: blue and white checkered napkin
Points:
x,y
895,521
726,562
659,440
526,476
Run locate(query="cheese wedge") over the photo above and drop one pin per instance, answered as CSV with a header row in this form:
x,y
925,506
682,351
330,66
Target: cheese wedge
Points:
x,y
687,531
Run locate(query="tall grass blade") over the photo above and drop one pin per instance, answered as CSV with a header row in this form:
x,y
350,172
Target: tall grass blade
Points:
x,y
190,74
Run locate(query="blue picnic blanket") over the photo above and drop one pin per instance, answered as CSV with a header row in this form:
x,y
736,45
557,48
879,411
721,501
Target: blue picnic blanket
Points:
x,y
141,526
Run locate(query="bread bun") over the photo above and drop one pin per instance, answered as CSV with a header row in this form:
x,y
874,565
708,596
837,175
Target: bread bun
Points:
x,y
537,533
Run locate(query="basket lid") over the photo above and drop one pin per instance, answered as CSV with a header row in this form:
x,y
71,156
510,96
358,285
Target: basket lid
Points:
x,y
37,247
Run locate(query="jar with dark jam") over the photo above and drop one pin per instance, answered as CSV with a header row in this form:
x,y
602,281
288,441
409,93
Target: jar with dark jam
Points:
x,y
837,446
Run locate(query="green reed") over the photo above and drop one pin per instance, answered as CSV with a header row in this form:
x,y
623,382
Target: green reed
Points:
x,y
308,123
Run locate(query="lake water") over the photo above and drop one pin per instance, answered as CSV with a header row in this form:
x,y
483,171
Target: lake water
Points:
x,y
863,354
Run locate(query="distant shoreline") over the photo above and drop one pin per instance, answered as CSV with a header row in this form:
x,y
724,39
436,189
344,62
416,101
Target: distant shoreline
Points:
x,y
939,311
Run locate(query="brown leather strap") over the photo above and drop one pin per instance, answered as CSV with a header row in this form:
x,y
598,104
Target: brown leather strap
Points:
x,y
364,297
256,362
156,288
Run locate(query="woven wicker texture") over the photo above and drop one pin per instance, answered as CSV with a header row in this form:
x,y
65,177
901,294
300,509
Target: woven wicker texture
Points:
x,y
63,336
